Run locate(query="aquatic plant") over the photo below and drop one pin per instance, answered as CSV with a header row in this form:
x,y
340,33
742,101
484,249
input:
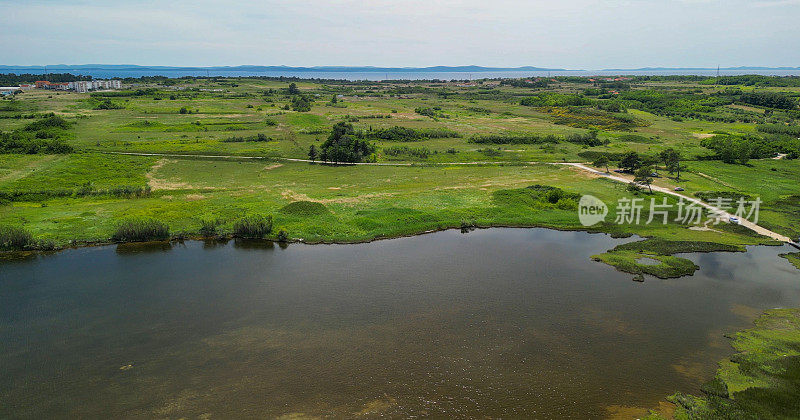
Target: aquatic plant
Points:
x,y
14,238
140,230
253,226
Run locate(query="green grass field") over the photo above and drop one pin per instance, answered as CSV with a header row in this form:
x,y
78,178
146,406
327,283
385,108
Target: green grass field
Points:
x,y
75,197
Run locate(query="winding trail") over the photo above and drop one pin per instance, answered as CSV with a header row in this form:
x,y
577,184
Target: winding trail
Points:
x,y
724,215
626,180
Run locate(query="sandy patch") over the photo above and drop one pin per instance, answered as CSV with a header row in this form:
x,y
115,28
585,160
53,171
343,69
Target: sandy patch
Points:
x,y
295,196
195,197
271,167
703,135
334,188
703,229
487,185
162,184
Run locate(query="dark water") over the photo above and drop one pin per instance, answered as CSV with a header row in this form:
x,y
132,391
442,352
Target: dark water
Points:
x,y
407,75
501,323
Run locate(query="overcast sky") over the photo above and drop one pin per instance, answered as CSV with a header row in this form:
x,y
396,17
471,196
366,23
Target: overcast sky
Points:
x,y
574,34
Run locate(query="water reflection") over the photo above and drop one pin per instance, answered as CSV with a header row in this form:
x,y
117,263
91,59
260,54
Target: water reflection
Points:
x,y
143,247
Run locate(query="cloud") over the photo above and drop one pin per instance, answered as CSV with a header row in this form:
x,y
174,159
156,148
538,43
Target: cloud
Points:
x,y
567,33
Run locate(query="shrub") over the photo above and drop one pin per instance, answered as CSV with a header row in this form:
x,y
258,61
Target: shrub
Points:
x,y
254,226
514,139
490,152
140,230
53,121
107,104
208,227
260,137
283,236
418,152
14,238
398,133
434,112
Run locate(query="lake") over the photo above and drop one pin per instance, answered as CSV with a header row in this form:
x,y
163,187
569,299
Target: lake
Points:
x,y
497,322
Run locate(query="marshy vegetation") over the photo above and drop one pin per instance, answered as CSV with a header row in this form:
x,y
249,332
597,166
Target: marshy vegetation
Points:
x,y
140,230
633,257
252,227
14,238
759,382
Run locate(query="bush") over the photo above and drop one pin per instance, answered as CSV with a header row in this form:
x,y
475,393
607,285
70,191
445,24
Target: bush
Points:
x,y
208,227
283,236
53,121
140,230
15,238
514,139
254,226
107,104
260,137
417,152
398,133
431,112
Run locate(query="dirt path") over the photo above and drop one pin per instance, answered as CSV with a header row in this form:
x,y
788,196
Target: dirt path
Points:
x,y
626,180
725,215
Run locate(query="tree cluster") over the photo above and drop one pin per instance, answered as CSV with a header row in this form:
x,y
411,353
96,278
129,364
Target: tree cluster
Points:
x,y
343,145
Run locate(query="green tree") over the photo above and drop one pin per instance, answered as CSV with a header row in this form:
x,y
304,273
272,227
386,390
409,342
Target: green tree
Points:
x,y
602,161
672,161
644,176
293,90
630,162
312,153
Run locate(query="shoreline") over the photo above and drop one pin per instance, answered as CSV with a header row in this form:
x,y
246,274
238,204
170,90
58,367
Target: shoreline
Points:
x,y
272,239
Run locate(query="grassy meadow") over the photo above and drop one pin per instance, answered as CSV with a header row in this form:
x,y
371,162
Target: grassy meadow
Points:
x,y
82,196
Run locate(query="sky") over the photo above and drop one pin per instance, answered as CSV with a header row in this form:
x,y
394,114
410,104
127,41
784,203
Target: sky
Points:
x,y
572,34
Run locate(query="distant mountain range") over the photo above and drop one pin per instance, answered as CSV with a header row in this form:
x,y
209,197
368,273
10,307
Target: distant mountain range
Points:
x,y
358,69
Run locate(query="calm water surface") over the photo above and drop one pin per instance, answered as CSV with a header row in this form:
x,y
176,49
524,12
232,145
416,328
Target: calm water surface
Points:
x,y
380,75
500,322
